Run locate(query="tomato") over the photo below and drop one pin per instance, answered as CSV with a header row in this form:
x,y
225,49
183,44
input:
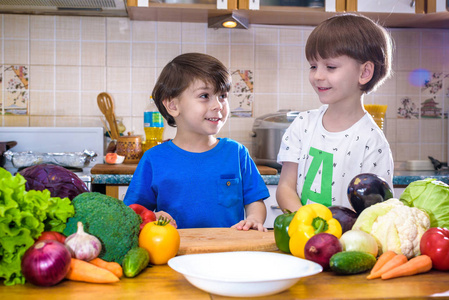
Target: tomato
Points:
x,y
161,240
52,235
435,243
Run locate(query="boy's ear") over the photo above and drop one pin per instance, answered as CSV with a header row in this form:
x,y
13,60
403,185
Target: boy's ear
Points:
x,y
367,72
171,105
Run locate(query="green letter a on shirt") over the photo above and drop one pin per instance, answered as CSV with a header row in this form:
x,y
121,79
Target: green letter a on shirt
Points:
x,y
325,196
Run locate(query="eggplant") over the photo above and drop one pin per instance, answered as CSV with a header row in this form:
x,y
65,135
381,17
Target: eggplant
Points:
x,y
345,216
367,189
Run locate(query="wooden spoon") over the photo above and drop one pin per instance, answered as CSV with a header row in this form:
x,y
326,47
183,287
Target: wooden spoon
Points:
x,y
106,105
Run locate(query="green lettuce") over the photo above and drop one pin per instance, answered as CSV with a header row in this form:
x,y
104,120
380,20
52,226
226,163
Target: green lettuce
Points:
x,y
23,217
431,196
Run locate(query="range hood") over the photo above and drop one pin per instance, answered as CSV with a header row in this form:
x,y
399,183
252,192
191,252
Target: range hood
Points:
x,y
103,8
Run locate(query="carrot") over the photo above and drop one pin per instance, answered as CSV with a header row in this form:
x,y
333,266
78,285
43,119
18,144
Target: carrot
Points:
x,y
81,270
416,265
381,261
112,266
397,260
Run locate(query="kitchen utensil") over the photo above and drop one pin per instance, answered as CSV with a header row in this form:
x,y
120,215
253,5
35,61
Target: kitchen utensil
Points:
x,y
437,164
106,105
266,136
130,147
205,240
243,273
5,146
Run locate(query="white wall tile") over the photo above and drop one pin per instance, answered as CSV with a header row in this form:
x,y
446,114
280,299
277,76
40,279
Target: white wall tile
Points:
x,y
118,29
42,52
16,26
42,27
16,52
68,53
93,29
143,55
169,32
93,53
143,31
68,28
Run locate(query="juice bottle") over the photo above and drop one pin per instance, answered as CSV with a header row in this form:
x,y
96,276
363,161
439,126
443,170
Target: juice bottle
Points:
x,y
153,125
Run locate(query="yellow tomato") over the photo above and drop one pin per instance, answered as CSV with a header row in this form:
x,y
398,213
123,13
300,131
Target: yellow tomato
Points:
x,y
161,240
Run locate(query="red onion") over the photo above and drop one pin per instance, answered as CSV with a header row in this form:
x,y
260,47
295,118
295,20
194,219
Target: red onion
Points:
x,y
46,263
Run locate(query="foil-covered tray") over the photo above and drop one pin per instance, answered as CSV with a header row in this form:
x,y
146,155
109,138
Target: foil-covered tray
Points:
x,y
65,159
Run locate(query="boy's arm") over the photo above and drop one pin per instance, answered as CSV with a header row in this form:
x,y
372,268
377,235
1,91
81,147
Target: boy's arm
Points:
x,y
286,195
256,212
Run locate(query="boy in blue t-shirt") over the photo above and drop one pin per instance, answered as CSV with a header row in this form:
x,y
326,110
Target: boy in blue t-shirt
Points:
x,y
196,179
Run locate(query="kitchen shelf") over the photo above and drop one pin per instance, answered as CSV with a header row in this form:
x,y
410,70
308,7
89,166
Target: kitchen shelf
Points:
x,y
277,15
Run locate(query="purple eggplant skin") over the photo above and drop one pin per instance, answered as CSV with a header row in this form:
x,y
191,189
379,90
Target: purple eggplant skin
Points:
x,y
367,189
344,215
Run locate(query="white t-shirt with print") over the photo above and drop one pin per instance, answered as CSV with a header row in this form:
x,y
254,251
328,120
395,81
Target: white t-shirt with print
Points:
x,y
328,161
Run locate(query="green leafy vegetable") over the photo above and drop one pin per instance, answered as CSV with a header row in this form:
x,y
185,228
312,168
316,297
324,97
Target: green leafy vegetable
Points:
x,y
23,217
432,196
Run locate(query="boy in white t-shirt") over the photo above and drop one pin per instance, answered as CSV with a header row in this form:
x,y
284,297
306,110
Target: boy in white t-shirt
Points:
x,y
323,149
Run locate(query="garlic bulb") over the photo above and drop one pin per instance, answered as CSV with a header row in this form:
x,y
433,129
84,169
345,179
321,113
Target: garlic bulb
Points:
x,y
82,245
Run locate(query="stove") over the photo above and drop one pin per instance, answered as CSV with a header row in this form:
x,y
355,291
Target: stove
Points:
x,y
57,140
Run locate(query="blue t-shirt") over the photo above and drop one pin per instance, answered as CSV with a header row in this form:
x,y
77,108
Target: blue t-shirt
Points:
x,y
208,189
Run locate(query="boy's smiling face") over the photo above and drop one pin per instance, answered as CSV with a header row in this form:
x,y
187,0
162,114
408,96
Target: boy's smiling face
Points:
x,y
337,80
198,110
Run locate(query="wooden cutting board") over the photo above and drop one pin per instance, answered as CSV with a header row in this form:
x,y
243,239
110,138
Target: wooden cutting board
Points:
x,y
130,168
208,240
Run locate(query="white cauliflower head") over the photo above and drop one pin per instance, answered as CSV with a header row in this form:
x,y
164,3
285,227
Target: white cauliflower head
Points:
x,y
395,226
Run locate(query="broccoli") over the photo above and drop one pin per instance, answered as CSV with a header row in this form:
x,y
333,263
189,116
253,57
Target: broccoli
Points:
x,y
110,220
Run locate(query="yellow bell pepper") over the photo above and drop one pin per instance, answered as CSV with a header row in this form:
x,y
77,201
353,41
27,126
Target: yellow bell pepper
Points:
x,y
309,220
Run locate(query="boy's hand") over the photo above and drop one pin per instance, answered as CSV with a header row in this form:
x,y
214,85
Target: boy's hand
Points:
x,y
166,215
249,224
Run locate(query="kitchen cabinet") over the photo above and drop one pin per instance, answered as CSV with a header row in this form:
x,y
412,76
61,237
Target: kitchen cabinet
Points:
x,y
273,209
280,15
387,6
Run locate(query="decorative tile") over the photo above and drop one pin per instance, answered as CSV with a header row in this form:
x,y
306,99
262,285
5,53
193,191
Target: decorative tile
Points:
x,y
430,109
242,92
407,109
16,90
432,93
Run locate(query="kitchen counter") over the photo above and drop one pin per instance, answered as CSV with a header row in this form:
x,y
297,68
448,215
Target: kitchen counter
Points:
x,y
161,282
122,175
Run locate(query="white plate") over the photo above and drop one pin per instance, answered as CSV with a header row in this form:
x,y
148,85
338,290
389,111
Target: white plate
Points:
x,y
243,273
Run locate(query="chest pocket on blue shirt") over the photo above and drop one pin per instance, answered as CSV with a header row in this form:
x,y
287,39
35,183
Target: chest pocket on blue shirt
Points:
x,y
229,191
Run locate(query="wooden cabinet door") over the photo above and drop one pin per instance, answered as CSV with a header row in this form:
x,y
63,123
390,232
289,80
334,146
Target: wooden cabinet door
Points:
x,y
386,6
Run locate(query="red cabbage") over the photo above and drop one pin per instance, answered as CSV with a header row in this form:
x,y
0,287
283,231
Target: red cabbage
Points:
x,y
60,181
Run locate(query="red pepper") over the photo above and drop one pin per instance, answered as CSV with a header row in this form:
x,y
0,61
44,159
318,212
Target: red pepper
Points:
x,y
146,214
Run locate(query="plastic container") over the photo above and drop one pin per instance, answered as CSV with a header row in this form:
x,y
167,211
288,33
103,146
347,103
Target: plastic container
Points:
x,y
153,125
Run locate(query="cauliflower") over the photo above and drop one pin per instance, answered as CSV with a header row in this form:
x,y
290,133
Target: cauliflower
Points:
x,y
395,226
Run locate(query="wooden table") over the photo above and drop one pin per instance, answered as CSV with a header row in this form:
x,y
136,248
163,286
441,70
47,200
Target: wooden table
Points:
x,y
161,282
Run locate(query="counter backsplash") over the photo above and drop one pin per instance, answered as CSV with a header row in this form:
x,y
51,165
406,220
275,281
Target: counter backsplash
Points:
x,y
53,67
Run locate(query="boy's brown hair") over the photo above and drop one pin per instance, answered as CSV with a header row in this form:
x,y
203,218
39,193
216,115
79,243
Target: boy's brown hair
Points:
x,y
179,73
355,36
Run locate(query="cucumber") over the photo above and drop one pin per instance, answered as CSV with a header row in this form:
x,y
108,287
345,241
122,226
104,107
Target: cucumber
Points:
x,y
351,262
135,261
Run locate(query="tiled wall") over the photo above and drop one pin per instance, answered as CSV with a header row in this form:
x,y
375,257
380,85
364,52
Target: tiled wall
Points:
x,y
54,67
